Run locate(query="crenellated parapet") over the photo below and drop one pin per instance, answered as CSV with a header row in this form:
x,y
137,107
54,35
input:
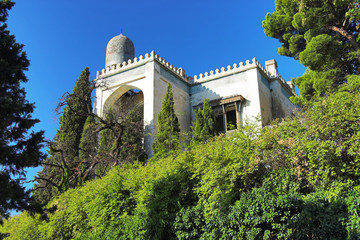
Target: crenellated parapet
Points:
x,y
236,68
177,71
287,84
126,65
180,72
222,72
132,63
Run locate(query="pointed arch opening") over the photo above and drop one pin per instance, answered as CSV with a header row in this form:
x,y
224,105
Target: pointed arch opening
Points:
x,y
125,109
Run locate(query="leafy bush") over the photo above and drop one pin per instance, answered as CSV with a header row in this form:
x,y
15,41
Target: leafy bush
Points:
x,y
298,179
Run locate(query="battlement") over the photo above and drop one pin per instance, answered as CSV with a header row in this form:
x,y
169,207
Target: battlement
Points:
x,y
235,68
132,63
178,71
126,65
225,71
287,84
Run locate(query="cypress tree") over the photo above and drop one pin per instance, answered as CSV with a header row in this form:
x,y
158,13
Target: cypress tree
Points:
x,y
208,129
87,149
204,125
105,153
60,170
88,141
199,124
74,116
167,137
106,142
71,127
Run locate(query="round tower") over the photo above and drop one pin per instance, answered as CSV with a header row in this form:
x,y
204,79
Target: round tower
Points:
x,y
119,49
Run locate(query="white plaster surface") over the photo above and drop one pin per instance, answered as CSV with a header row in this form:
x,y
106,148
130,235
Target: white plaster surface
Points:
x,y
265,95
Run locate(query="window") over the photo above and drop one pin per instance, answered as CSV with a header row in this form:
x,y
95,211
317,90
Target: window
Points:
x,y
231,118
227,113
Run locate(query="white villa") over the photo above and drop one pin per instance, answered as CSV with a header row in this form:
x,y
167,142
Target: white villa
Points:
x,y
236,92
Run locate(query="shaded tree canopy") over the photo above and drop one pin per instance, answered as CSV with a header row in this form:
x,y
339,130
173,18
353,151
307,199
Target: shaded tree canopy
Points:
x,y
323,35
18,148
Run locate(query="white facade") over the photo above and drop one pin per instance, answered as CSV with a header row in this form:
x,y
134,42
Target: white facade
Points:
x,y
238,92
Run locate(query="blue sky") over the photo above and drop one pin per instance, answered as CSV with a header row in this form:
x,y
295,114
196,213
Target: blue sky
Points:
x,y
61,38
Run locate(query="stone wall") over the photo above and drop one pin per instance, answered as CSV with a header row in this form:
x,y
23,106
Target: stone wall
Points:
x,y
180,90
266,94
239,81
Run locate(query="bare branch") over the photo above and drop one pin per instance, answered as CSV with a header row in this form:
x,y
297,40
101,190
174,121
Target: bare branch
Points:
x,y
62,103
46,180
51,165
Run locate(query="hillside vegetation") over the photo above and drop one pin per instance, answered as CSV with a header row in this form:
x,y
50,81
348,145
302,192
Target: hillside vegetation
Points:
x,y
298,179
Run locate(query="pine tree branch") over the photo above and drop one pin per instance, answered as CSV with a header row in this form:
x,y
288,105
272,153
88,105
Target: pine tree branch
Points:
x,y
345,34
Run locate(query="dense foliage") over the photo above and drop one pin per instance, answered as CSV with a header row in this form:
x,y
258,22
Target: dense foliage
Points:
x,y
204,126
323,35
121,139
76,154
298,179
168,127
18,148
295,179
